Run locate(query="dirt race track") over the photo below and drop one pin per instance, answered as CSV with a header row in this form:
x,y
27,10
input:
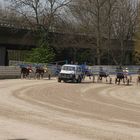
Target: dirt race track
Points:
x,y
47,110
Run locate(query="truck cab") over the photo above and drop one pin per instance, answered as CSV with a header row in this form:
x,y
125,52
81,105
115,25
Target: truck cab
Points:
x,y
70,73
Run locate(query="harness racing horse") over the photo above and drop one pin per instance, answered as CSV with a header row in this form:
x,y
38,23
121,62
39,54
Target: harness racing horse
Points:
x,y
88,73
25,72
103,74
121,77
123,74
40,71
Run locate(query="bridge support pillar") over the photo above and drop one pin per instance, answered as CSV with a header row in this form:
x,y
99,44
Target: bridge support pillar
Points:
x,y
3,56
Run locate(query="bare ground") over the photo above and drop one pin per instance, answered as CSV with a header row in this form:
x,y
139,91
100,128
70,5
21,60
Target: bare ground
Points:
x,y
47,110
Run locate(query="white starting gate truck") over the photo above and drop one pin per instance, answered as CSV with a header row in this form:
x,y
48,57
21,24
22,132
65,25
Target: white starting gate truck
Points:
x,y
70,73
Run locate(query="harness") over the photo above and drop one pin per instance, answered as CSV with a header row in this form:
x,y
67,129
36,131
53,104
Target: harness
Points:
x,y
120,75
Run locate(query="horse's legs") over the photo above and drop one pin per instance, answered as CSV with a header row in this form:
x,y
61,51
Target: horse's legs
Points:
x,y
89,77
35,76
106,79
115,80
110,80
21,75
130,78
83,77
27,75
42,75
138,81
49,76
93,78
98,79
119,81
124,80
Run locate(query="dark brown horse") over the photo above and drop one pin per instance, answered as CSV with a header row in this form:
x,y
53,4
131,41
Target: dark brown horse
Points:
x,y
25,72
122,77
39,73
104,74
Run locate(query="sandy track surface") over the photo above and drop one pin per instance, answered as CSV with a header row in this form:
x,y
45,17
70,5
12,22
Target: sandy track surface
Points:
x,y
47,110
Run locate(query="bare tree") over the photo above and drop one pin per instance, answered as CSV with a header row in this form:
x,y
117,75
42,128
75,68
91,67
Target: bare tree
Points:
x,y
92,18
124,25
108,20
110,10
39,12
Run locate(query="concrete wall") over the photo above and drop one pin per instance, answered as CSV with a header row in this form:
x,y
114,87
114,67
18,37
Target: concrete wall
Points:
x,y
9,72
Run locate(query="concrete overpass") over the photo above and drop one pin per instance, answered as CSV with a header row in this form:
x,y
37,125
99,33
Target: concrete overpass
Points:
x,y
23,38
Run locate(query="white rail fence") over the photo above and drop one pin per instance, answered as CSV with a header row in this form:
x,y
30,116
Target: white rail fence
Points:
x,y
112,69
14,71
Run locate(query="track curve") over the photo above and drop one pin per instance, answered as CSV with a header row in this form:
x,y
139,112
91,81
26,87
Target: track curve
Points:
x,y
71,111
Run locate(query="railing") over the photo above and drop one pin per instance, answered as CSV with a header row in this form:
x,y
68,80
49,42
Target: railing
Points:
x,y
14,71
112,69
9,72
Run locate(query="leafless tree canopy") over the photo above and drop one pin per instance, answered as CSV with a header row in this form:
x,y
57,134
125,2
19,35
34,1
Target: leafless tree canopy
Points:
x,y
110,19
39,12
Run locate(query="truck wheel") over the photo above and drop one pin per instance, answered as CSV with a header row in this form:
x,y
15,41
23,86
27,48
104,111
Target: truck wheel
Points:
x,y
79,80
74,80
65,81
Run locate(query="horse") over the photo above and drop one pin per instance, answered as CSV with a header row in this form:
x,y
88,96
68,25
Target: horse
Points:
x,y
40,71
25,72
48,72
88,73
121,76
104,74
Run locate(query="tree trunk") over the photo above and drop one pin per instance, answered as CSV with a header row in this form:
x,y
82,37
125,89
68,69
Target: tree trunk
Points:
x,y
98,37
98,56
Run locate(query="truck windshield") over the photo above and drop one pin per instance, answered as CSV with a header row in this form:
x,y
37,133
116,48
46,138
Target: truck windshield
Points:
x,y
67,68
